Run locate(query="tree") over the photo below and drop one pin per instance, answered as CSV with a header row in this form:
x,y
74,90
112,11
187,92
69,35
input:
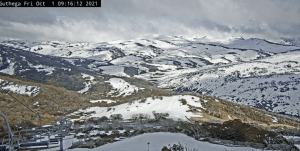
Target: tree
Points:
x,y
116,117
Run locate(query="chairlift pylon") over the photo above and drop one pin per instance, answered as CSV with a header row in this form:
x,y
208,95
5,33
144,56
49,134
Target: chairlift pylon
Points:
x,y
9,146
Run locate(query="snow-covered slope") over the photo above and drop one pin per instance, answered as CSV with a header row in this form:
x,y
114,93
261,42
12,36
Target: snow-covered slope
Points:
x,y
157,142
42,68
121,87
170,105
253,72
89,81
19,88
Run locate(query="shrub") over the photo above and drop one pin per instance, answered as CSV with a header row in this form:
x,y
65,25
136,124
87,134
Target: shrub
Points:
x,y
143,100
177,147
116,117
160,115
103,118
236,130
140,116
183,101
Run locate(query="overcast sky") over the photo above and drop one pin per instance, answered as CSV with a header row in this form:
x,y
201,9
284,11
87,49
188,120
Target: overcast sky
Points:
x,y
128,19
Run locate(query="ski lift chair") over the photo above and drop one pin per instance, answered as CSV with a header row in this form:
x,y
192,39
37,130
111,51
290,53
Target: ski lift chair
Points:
x,y
52,140
5,140
33,145
31,134
13,143
4,148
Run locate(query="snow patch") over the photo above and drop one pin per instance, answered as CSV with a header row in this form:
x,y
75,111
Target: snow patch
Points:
x,y
114,70
36,103
41,68
90,80
121,87
21,89
168,104
10,69
99,101
273,118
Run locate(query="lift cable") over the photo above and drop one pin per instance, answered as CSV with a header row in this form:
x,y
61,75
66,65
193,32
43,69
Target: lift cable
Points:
x,y
7,92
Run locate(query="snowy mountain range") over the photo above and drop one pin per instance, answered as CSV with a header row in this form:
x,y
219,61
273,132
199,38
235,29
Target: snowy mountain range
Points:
x,y
253,72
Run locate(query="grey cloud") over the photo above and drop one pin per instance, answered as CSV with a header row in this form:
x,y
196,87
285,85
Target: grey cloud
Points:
x,y
119,19
291,30
26,15
214,26
251,30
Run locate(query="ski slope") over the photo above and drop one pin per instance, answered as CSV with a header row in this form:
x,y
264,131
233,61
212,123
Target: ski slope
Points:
x,y
171,105
157,142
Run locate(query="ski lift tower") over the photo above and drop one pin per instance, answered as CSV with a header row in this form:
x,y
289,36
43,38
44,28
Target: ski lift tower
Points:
x,y
9,135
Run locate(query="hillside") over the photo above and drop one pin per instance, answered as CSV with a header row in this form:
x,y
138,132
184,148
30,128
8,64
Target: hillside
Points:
x,y
201,87
252,72
52,102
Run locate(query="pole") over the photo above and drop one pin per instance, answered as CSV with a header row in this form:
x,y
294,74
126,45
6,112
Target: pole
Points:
x,y
39,116
61,144
61,137
148,145
8,131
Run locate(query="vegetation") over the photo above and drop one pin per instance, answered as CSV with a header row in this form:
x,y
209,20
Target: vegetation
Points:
x,y
177,147
222,121
235,132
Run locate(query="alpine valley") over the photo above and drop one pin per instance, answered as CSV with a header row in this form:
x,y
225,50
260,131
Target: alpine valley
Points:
x,y
182,78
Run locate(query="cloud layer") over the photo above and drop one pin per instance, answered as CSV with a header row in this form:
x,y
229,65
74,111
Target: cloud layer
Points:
x,y
119,19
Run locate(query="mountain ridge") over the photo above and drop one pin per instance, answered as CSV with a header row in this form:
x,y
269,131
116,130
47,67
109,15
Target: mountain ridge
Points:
x,y
254,72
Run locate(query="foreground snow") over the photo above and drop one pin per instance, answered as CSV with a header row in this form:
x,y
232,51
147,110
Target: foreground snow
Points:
x,y
157,141
170,105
